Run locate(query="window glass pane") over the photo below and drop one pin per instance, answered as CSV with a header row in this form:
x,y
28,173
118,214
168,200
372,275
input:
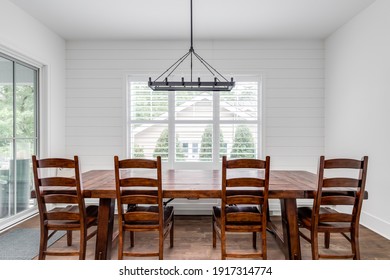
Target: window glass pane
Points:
x,y
199,141
6,156
25,80
24,148
146,104
6,98
193,105
241,103
240,140
149,141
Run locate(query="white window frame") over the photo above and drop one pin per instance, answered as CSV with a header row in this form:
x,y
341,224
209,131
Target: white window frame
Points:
x,y
216,122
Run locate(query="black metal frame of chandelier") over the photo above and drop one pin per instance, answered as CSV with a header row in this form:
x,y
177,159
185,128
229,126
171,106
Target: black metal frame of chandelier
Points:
x,y
216,85
191,86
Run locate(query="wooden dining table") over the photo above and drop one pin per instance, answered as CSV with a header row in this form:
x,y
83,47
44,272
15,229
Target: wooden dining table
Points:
x,y
286,186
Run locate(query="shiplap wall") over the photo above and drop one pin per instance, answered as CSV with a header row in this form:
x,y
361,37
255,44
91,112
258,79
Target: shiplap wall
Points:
x,y
293,86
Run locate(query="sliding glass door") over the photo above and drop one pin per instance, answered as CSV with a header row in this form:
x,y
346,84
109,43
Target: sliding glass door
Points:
x,y
18,134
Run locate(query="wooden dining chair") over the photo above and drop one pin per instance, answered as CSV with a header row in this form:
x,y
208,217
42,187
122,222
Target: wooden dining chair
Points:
x,y
140,204
345,190
61,205
243,211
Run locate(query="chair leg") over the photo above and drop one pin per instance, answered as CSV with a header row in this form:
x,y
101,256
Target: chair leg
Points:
x,y
132,238
120,244
69,237
214,232
355,245
43,243
264,244
254,237
223,245
171,234
314,245
161,246
327,240
83,244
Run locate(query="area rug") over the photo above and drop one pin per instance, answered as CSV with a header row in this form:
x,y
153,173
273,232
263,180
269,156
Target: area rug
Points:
x,y
23,243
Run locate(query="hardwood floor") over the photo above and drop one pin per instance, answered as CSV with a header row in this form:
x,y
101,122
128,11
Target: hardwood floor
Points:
x,y
193,241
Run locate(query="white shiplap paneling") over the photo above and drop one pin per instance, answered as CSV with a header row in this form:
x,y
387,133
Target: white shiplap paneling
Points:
x,y
293,73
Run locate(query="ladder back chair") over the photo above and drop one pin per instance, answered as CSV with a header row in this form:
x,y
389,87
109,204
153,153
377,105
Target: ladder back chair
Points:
x,y
140,204
345,188
243,210
65,194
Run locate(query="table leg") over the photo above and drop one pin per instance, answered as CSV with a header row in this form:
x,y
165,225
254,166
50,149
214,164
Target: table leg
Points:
x,y
290,228
105,229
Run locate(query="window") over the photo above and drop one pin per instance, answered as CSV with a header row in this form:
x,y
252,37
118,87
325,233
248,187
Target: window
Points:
x,y
194,127
18,134
194,148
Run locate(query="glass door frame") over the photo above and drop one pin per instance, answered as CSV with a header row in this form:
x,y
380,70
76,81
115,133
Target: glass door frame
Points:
x,y
13,215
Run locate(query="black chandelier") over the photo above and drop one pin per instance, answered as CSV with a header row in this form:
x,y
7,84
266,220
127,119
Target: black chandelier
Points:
x,y
219,83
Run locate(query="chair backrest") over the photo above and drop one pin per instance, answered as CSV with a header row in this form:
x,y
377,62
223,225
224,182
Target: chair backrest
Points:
x,y
138,181
253,176
345,187
51,188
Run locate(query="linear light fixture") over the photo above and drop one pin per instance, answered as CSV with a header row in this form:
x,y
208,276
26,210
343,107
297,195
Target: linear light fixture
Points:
x,y
218,83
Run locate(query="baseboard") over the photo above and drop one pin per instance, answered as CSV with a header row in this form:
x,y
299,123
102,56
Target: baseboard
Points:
x,y
19,218
194,212
193,207
199,207
376,224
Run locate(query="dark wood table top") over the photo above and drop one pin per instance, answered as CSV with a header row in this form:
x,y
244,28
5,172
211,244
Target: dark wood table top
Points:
x,y
203,184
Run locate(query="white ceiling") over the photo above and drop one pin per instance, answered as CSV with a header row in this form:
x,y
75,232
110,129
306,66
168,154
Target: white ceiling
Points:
x,y
212,19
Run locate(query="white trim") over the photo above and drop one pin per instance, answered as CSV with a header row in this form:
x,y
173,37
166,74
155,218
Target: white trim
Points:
x,y
262,86
376,224
216,129
18,218
171,131
126,103
20,56
44,100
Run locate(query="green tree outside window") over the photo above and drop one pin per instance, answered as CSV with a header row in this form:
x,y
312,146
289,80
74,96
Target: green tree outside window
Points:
x,y
243,144
138,152
161,148
206,145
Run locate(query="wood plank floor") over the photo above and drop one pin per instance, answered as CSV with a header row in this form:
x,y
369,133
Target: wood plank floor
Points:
x,y
193,241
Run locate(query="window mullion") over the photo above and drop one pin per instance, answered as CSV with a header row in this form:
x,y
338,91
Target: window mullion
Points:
x,y
260,112
14,185
216,130
171,130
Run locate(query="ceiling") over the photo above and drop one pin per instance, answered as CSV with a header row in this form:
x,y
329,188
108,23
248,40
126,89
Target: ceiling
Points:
x,y
212,19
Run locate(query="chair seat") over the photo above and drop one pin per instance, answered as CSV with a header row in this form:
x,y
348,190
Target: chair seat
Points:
x,y
91,219
168,213
236,209
305,214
